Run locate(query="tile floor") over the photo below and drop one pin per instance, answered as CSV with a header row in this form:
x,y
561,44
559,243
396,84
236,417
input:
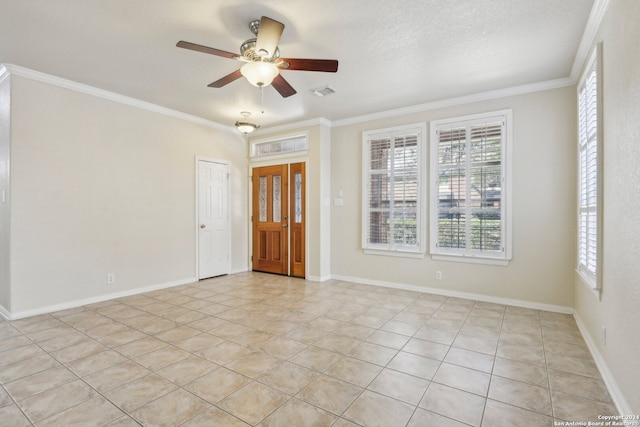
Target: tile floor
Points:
x,y
262,350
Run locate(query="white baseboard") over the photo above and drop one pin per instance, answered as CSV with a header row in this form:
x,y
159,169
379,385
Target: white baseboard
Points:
x,y
618,398
318,278
478,297
5,313
78,303
458,294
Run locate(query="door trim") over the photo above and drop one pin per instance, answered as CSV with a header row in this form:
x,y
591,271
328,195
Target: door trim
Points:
x,y
197,205
258,163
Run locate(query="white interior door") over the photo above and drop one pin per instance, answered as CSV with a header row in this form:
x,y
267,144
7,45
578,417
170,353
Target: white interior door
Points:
x,y
213,219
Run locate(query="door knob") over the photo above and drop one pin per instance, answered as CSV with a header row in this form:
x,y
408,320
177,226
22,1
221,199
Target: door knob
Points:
x,y
202,226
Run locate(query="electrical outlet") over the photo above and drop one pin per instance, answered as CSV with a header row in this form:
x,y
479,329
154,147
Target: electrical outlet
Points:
x,y
111,279
438,275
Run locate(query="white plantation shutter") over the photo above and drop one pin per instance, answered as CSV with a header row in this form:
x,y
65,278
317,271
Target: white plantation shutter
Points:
x,y
485,178
588,165
452,188
391,199
379,191
469,209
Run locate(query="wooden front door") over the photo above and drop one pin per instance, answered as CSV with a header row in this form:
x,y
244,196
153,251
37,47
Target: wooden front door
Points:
x,y
278,218
270,219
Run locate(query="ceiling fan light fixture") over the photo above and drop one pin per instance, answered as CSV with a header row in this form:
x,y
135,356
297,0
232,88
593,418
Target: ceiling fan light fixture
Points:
x,y
246,127
259,73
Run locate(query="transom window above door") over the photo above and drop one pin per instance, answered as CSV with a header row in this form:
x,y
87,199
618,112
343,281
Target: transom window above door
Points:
x,y
288,144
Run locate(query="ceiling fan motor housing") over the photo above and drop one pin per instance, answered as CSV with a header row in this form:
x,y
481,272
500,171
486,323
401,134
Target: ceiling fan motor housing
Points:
x,y
248,51
254,26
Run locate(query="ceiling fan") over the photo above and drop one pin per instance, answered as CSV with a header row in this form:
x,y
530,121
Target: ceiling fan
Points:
x,y
261,57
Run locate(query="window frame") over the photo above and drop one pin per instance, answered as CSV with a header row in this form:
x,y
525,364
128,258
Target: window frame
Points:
x,y
391,249
592,280
503,257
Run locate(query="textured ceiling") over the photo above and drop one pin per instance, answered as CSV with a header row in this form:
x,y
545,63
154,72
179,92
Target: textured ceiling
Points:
x,y
392,53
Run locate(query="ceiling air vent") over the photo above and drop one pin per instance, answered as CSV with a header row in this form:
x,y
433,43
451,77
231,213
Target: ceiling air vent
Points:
x,y
323,91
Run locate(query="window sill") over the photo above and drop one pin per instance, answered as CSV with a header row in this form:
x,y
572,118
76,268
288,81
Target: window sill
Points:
x,y
589,284
471,259
391,252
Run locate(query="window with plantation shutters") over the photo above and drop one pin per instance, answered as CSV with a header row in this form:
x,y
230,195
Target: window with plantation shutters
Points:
x,y
469,202
392,169
588,179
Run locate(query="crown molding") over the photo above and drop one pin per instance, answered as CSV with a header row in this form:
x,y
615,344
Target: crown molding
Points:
x,y
467,99
435,105
293,126
4,73
588,36
105,94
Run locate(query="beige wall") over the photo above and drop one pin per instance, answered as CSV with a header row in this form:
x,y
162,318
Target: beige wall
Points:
x,y
102,187
5,212
619,308
543,206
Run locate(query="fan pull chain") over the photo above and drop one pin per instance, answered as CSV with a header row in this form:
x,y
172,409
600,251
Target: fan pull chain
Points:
x,y
262,99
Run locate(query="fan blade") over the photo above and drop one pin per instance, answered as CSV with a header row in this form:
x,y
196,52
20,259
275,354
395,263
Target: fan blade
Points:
x,y
325,65
205,49
268,37
226,79
283,87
